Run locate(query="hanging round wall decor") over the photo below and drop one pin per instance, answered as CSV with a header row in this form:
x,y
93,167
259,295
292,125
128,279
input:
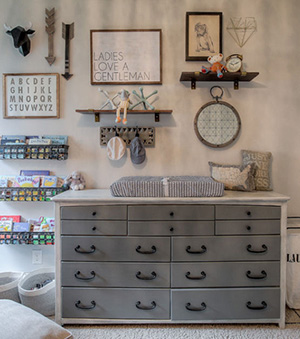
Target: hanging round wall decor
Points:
x,y
217,123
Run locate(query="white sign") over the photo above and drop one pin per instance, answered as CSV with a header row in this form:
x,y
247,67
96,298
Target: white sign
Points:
x,y
31,95
126,57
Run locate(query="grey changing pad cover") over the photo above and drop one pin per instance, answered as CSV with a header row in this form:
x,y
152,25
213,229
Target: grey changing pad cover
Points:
x,y
174,186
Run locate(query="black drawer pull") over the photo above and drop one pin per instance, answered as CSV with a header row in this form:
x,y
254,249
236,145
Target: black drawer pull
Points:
x,y
93,249
94,213
188,249
195,309
77,276
171,229
171,214
145,308
188,276
248,228
78,303
263,276
248,213
262,307
94,228
143,277
153,250
264,249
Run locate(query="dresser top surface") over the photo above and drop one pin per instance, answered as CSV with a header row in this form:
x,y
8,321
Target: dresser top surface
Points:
x,y
104,196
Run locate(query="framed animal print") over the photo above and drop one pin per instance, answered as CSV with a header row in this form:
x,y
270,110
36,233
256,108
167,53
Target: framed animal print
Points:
x,y
203,35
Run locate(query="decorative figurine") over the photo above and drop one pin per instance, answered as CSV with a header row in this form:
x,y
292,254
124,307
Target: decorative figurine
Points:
x,y
124,104
20,37
109,101
143,99
50,29
217,65
75,181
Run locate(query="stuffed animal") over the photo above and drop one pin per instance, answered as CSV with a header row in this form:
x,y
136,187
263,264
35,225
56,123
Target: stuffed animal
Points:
x,y
124,104
75,181
217,65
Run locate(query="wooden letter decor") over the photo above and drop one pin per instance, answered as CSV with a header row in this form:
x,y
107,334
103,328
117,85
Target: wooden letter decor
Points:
x,y
50,29
67,34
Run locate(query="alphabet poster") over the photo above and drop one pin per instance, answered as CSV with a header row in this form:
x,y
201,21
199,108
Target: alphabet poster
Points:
x,y
126,57
31,95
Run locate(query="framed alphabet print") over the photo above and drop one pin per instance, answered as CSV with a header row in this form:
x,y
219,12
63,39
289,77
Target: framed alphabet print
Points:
x,y
203,35
31,95
126,57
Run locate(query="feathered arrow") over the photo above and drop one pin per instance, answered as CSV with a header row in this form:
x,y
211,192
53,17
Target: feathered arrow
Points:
x,y
50,29
67,34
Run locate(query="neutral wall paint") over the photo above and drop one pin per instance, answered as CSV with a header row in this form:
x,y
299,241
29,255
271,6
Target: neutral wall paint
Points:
x,y
268,106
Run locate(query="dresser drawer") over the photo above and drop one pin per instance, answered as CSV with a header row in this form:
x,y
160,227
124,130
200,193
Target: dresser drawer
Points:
x,y
169,228
97,227
226,304
247,212
94,212
95,274
111,303
115,248
220,274
225,248
247,227
171,212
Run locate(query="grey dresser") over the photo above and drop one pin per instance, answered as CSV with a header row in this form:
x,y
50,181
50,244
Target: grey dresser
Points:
x,y
170,260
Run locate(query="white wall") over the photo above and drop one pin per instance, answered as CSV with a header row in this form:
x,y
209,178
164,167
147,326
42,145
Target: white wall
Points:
x,y
268,106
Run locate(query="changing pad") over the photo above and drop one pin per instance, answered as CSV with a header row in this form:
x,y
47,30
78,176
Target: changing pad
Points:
x,y
176,186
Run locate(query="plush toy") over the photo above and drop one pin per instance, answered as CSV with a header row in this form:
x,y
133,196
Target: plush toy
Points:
x,y
75,181
124,104
217,65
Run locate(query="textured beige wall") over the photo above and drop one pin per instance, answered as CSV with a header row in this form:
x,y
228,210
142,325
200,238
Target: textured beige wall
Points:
x,y
268,106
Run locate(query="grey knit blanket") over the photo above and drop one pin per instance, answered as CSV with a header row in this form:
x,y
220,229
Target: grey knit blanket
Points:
x,y
176,186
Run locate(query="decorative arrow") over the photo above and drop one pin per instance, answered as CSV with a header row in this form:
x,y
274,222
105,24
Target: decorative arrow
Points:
x,y
67,34
50,29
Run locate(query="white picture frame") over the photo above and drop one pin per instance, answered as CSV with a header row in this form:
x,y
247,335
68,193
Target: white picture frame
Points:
x,y
126,57
31,95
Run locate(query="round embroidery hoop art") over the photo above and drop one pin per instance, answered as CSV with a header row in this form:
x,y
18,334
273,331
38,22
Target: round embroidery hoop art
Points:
x,y
217,124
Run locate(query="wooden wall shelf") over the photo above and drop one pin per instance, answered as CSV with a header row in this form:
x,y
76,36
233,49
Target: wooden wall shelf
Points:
x,y
113,112
236,77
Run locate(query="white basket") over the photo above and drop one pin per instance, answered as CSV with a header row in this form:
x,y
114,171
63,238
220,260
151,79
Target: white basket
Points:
x,y
41,300
9,285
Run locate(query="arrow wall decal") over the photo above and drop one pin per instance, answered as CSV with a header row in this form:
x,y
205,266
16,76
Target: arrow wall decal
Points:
x,y
67,34
50,29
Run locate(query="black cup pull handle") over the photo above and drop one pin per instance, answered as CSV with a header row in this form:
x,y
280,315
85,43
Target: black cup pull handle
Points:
x,y
78,250
201,277
189,307
153,250
248,213
203,250
264,249
145,308
262,307
143,277
77,276
262,276
79,305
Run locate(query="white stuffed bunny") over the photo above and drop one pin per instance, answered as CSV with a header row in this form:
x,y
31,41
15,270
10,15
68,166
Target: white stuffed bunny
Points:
x,y
75,181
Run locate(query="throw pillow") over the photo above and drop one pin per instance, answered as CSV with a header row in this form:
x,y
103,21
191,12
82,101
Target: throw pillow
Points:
x,y
19,321
262,160
234,177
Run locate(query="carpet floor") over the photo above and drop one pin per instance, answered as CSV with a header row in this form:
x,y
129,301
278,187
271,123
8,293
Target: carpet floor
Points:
x,y
216,331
